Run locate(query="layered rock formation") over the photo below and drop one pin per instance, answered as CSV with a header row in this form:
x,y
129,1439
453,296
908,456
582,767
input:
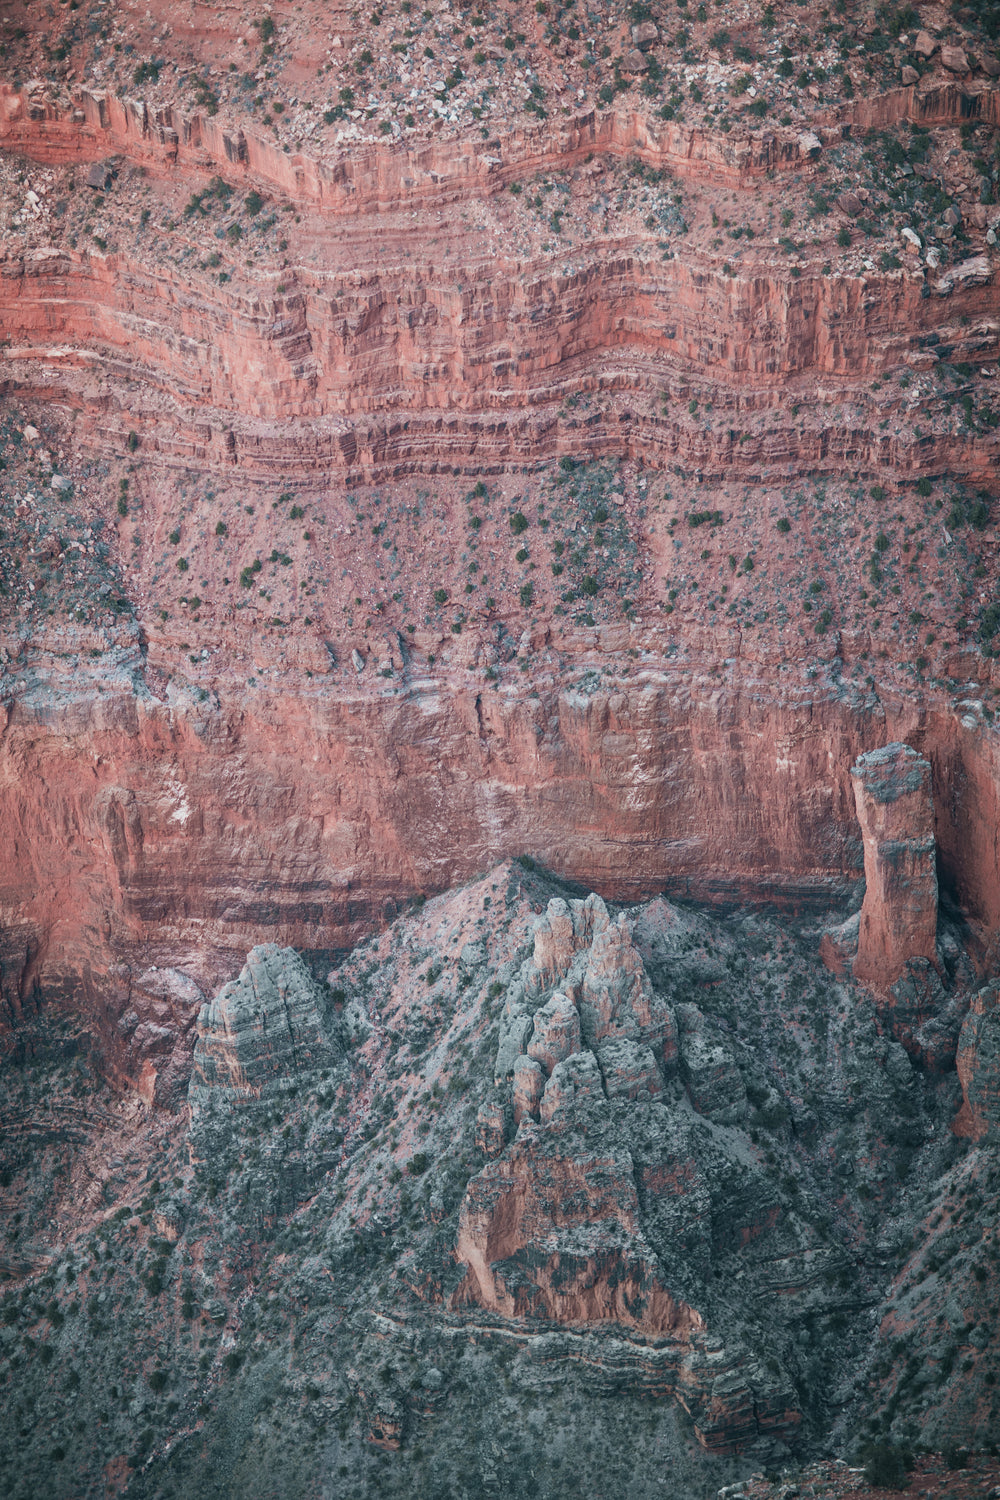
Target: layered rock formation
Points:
x,y
260,1030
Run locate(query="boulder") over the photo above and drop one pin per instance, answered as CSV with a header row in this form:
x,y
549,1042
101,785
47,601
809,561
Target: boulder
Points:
x,y
924,44
645,35
850,204
100,177
636,61
990,65
892,792
909,76
955,60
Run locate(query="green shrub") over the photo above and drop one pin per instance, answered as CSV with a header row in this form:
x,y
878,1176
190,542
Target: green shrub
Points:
x,y
784,524
886,1466
518,522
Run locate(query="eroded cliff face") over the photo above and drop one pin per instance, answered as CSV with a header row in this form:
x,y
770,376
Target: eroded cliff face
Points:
x,y
617,492
252,730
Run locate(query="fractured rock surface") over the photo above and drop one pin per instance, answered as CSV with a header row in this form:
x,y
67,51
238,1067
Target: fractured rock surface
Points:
x,y
892,789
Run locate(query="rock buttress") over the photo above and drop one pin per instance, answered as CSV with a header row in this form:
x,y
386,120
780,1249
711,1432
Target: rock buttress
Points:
x,y
892,790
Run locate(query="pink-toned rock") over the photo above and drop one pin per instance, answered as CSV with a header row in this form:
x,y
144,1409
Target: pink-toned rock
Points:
x,y
909,76
838,946
556,1034
529,1085
491,1128
978,1065
617,998
559,1238
645,34
925,45
554,941
566,928
892,790
954,59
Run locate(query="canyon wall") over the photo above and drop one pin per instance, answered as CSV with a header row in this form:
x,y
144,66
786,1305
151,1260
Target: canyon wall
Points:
x,y
167,830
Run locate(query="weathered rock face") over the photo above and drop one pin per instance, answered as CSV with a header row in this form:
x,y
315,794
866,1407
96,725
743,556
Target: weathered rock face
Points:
x,y
260,1029
892,788
556,1032
558,1238
528,1088
629,1070
978,1064
157,1029
710,1074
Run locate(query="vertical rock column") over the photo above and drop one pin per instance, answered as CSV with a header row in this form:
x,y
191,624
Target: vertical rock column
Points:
x,y
892,790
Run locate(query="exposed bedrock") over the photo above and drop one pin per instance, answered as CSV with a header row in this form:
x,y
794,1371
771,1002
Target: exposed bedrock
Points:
x,y
431,355
892,789
366,373
138,831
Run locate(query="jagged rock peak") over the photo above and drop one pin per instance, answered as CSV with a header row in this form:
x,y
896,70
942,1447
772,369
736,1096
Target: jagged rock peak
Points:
x,y
565,929
261,1028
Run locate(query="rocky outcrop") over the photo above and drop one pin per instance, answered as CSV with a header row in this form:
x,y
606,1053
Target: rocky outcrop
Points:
x,y
978,1064
573,1092
260,1030
527,1090
892,788
556,1237
556,1032
711,1077
629,1070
